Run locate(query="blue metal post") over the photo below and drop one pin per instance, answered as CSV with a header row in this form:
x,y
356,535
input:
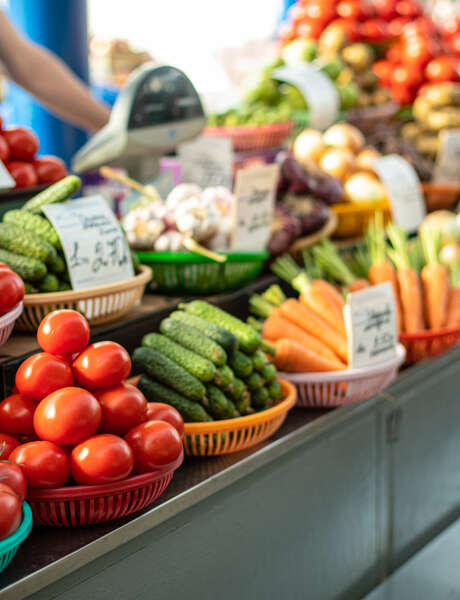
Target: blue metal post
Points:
x,y
60,26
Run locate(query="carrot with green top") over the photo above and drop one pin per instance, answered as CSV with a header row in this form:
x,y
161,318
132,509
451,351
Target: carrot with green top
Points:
x,y
293,357
328,257
435,279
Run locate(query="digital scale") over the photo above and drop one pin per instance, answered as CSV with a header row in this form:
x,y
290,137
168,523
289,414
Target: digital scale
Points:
x,y
156,110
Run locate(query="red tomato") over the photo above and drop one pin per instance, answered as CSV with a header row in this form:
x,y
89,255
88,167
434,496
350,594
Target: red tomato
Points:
x,y
350,9
417,51
374,30
451,26
123,407
10,511
41,374
63,332
23,173
158,411
408,8
103,364
310,29
396,26
386,9
45,465
443,68
23,143
395,53
67,416
4,149
12,475
155,444
349,26
287,32
407,76
403,95
455,43
49,169
101,459
384,71
296,13
17,415
7,444
11,289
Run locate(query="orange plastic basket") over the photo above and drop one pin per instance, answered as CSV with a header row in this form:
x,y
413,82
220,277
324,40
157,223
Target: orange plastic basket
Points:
x,y
354,217
253,137
232,435
428,344
441,195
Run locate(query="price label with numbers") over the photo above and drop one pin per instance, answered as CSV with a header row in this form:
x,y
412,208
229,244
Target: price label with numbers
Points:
x,y
370,320
207,161
6,181
447,166
95,247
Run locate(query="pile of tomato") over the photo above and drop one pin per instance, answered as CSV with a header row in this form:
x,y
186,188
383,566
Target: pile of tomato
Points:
x,y
11,289
18,151
12,495
73,419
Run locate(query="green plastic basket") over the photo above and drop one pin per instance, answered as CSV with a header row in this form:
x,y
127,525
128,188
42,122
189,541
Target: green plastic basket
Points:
x,y
10,545
186,272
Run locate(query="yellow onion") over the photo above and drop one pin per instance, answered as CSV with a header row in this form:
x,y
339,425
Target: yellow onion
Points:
x,y
344,135
366,158
450,255
362,187
338,162
308,145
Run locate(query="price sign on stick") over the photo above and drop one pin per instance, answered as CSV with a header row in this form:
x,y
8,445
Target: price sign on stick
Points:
x,y
207,161
255,189
448,161
370,320
95,248
404,191
6,181
318,90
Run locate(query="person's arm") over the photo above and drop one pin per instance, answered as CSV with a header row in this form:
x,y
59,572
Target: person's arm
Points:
x,y
46,77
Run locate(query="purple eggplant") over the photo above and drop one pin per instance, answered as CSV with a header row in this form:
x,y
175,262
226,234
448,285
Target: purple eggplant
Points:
x,y
286,228
313,214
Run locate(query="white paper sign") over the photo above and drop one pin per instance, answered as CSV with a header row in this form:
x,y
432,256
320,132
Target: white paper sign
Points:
x,y
6,181
447,166
318,90
95,248
207,161
404,191
370,320
255,189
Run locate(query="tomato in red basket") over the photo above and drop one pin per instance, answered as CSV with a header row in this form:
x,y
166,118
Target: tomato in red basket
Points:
x,y
386,9
350,9
7,444
123,407
63,332
10,511
17,415
155,444
403,95
158,411
384,71
101,459
374,30
41,374
396,26
408,8
310,29
67,416
49,169
103,364
45,465
4,149
12,475
407,76
23,143
23,173
11,289
455,43
443,68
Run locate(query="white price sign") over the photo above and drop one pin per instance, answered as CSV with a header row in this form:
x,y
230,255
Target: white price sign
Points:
x,y
6,181
448,160
95,247
370,320
318,90
255,189
404,191
207,161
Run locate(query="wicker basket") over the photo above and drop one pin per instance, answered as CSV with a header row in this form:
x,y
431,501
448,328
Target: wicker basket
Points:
x,y
344,387
10,545
190,273
429,344
354,218
253,137
100,305
232,435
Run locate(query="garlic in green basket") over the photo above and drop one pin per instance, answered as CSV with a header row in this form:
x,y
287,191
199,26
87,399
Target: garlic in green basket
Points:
x,y
170,241
143,226
198,218
180,194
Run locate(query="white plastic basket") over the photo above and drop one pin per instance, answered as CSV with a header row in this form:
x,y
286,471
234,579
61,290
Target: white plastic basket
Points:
x,y
344,387
7,322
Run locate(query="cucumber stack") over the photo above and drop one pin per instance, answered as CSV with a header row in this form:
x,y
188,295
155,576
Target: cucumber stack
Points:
x,y
208,364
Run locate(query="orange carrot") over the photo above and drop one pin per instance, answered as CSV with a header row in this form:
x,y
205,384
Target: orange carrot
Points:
x,y
320,301
277,327
358,284
309,321
435,281
293,357
383,273
411,299
453,308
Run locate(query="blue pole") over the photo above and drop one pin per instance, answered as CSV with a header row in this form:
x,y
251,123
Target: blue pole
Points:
x,y
60,26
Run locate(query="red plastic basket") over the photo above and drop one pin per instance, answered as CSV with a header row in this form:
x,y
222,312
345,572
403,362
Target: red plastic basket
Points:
x,y
90,504
428,344
253,137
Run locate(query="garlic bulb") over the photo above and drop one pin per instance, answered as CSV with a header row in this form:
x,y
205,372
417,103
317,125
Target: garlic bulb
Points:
x,y
180,193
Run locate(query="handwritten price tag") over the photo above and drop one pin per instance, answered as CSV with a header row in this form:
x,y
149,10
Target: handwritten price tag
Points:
x,y
207,161
318,90
95,247
6,181
448,161
370,320
404,191
253,209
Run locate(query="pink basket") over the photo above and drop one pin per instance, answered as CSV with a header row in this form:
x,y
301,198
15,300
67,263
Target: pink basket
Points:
x,y
253,137
344,387
7,323
90,504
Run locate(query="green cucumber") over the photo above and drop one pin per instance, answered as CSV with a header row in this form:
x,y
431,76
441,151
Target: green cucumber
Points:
x,y
259,360
26,267
219,405
238,389
64,286
158,366
221,336
191,412
269,373
224,377
275,390
260,398
57,192
196,365
57,265
194,340
241,364
49,283
243,404
254,381
14,239
35,224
